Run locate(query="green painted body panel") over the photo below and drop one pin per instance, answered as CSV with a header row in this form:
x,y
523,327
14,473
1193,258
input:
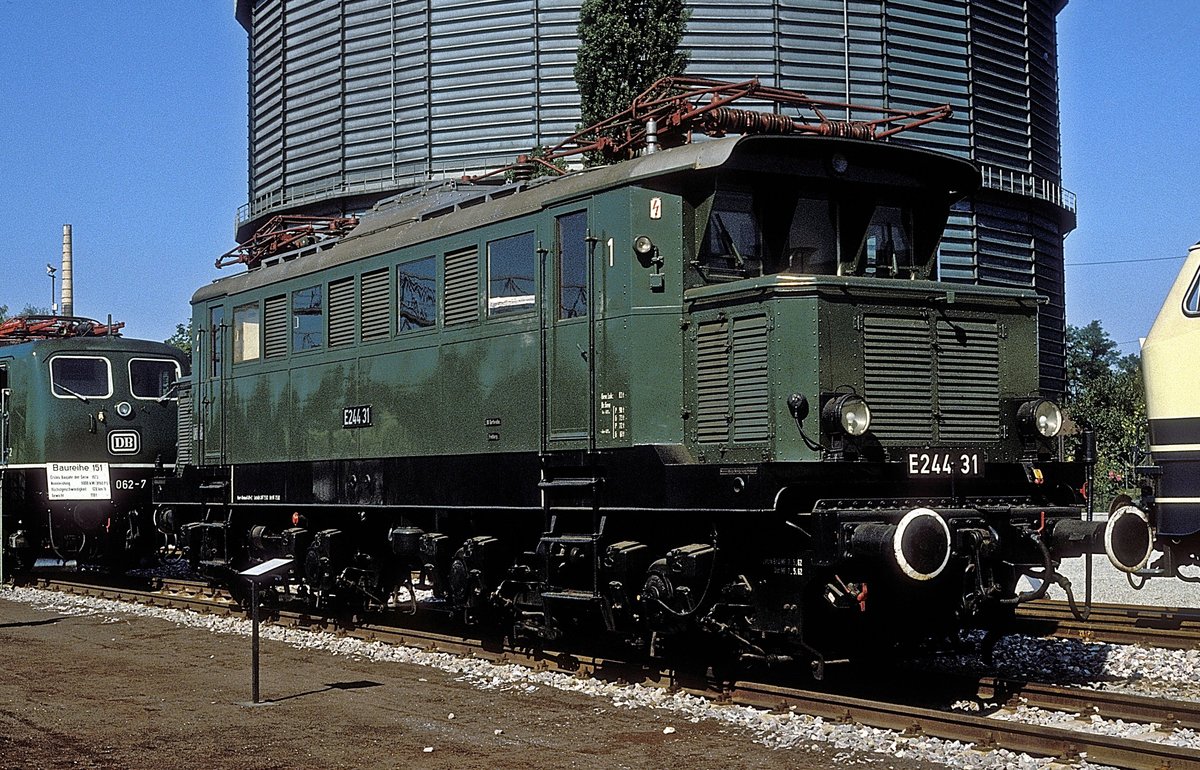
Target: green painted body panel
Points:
x,y
475,387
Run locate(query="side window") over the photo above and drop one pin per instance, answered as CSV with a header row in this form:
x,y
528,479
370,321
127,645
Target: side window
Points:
x,y
1191,300
416,292
80,377
571,230
247,328
510,274
152,377
216,336
308,325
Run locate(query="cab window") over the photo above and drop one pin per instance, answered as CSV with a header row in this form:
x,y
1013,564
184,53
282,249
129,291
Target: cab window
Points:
x,y
152,378
886,249
80,377
765,225
733,242
1191,300
571,235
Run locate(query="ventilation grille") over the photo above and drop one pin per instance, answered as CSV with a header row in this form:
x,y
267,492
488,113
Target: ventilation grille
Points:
x,y
940,384
184,423
751,386
898,378
276,327
341,312
462,287
732,381
374,305
968,381
712,382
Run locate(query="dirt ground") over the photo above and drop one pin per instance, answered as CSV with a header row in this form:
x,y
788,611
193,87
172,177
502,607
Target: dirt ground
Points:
x,y
90,692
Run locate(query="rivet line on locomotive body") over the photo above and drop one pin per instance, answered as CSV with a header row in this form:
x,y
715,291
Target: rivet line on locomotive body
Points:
x,y
1172,491
86,418
713,392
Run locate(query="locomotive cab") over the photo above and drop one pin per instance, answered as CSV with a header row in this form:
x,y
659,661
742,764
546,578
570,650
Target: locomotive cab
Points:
x,y
826,215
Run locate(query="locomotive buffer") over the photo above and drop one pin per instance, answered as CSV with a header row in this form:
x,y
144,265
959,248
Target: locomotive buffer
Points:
x,y
259,573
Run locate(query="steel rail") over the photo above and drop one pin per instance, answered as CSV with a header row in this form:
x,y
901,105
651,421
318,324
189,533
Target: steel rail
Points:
x,y
1109,704
983,732
1175,628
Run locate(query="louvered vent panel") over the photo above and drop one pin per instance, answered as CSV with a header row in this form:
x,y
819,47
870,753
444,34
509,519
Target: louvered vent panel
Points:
x,y
184,423
374,305
712,382
898,372
968,365
751,384
276,326
341,312
462,287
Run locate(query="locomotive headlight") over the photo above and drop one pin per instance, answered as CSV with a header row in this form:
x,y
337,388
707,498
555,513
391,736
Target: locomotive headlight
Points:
x,y
848,413
643,246
1040,417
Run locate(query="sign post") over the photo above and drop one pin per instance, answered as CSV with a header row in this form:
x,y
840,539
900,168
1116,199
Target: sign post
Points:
x,y
257,574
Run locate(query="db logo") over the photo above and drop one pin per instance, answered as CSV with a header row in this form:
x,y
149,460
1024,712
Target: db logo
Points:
x,y
124,442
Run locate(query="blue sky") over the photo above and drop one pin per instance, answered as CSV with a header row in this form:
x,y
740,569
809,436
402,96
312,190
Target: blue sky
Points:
x,y
128,120
1129,85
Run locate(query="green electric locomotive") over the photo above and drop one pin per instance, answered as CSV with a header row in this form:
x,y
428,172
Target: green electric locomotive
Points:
x,y
715,391
86,418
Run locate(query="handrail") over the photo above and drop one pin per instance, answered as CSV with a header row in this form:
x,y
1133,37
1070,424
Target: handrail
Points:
x,y
398,179
992,177
1031,185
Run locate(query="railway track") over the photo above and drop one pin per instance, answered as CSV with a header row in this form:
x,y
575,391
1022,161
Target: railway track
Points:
x,y
986,729
1174,628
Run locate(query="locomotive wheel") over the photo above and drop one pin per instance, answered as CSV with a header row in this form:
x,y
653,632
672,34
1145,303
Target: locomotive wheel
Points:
x,y
659,599
460,583
16,562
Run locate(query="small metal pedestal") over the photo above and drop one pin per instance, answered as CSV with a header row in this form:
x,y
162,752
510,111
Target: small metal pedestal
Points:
x,y
257,574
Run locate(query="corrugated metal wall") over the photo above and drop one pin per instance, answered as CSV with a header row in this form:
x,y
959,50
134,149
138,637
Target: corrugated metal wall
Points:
x,y
362,97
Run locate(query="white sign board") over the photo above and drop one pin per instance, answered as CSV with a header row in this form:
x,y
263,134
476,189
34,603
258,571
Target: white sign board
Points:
x,y
268,568
78,481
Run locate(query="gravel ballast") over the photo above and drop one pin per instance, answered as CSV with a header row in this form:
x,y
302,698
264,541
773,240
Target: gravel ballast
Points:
x,y
1055,659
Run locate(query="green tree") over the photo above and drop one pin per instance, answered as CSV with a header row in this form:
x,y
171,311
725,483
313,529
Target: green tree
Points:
x,y
1091,353
624,46
182,338
1105,394
29,309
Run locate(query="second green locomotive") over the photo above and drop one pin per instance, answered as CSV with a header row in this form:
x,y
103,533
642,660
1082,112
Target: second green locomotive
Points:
x,y
713,391
87,417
